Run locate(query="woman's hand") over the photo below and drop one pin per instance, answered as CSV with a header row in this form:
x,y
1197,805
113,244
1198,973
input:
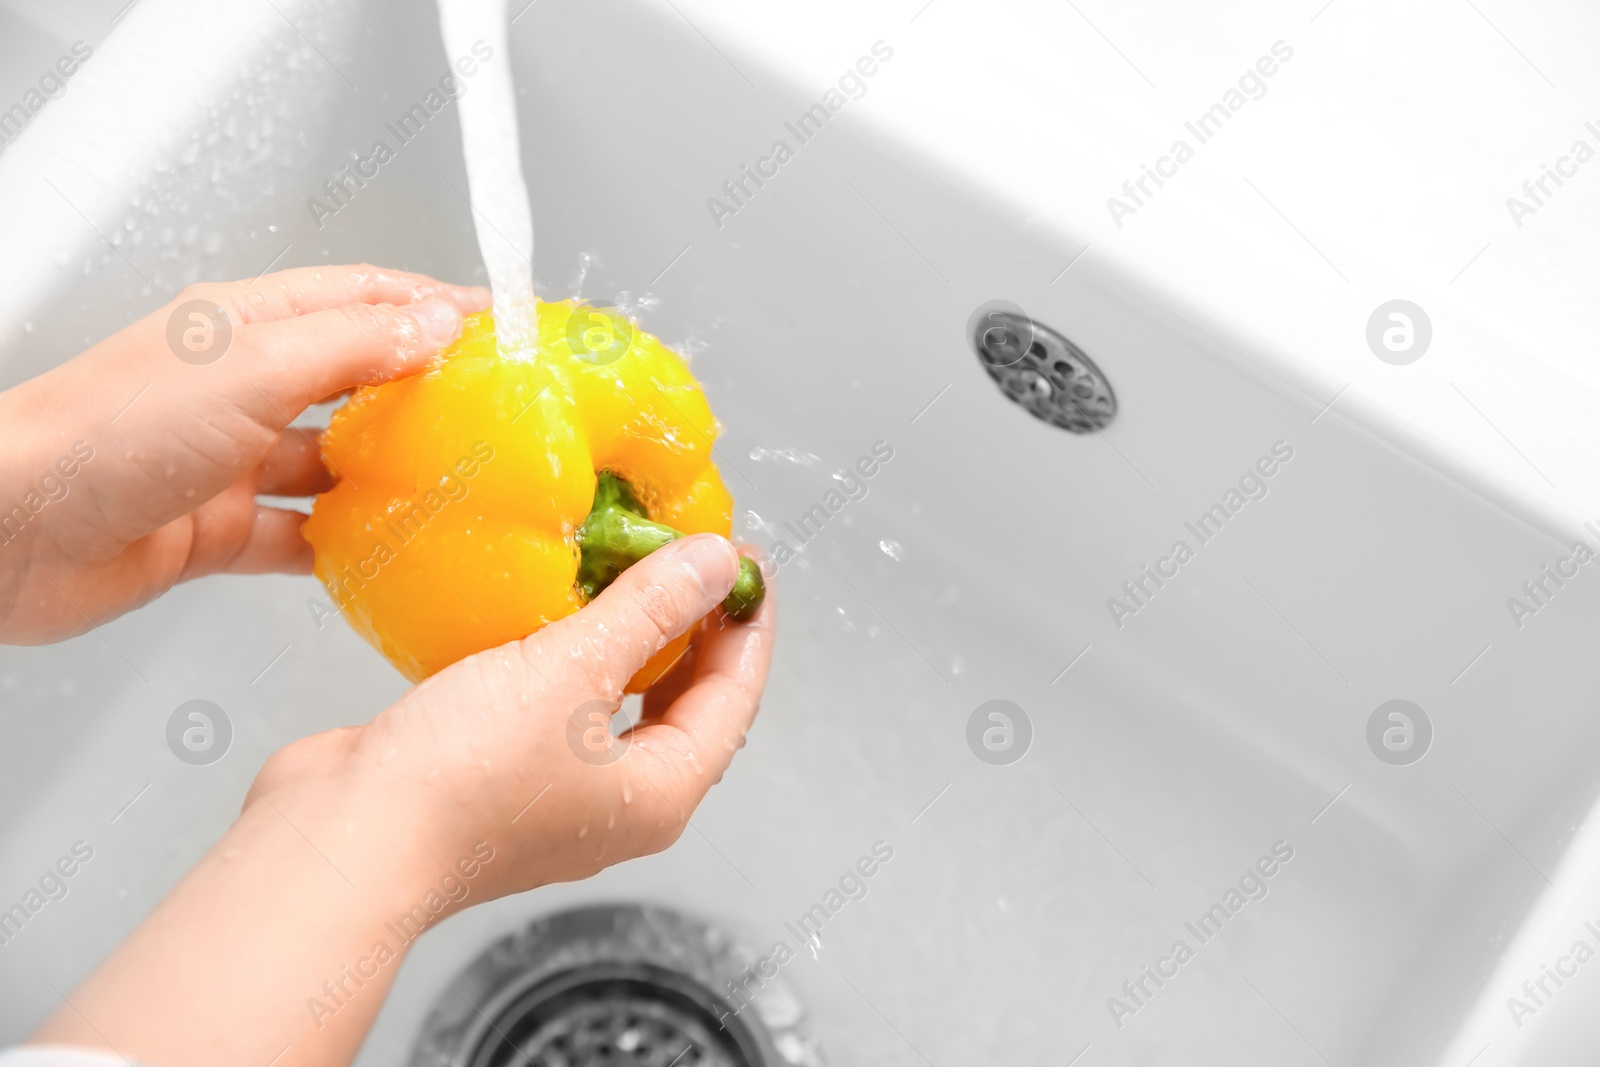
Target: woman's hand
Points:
x,y
490,778
136,465
520,730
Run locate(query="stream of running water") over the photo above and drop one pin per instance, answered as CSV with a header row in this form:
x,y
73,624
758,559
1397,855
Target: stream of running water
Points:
x,y
500,209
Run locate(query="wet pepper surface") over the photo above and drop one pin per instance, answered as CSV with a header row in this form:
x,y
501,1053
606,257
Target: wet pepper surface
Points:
x,y
491,494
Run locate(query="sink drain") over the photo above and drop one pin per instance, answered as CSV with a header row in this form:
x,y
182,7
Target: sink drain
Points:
x,y
1036,367
623,986
606,1016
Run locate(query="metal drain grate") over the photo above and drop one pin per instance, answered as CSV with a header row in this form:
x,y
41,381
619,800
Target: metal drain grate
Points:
x,y
616,986
1041,370
638,1020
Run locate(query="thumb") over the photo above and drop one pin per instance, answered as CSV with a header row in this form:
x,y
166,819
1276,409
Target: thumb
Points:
x,y
651,603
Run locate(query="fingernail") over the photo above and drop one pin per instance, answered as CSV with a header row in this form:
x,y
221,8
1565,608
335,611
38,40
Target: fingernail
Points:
x,y
439,320
712,561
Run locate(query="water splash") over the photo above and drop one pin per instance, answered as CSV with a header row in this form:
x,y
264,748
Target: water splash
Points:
x,y
754,523
634,305
760,454
489,141
587,262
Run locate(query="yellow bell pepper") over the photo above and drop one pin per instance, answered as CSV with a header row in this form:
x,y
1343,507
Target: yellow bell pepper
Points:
x,y
489,495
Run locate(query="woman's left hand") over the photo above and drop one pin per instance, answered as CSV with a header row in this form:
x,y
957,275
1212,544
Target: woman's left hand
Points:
x,y
136,465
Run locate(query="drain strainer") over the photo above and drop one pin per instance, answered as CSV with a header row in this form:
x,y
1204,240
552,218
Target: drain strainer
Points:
x,y
614,1016
1041,370
623,986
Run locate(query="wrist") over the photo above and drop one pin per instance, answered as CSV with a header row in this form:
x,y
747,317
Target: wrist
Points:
x,y
392,837
347,821
288,931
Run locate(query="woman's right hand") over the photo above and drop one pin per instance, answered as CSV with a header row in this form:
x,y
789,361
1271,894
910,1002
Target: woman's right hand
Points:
x,y
492,777
465,753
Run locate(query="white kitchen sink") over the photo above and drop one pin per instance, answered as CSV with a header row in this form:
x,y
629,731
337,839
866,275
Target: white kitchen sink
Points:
x,y
1172,747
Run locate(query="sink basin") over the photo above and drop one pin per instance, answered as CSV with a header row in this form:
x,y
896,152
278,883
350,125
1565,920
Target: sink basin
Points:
x,y
1173,728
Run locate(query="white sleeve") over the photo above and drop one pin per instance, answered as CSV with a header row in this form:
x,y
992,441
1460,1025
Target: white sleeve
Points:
x,y
57,1056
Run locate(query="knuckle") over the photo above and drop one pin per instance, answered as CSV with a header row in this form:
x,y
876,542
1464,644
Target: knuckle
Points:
x,y
381,329
196,291
243,302
666,832
225,296
499,677
306,757
365,320
365,276
247,306
278,766
659,607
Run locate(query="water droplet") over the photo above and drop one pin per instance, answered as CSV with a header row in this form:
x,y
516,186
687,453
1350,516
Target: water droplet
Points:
x,y
760,454
754,522
893,549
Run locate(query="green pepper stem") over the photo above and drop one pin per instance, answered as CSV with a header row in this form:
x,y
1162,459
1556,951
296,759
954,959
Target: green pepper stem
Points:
x,y
617,534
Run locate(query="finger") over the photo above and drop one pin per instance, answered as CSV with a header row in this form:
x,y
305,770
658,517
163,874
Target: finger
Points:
x,y
297,362
304,290
651,603
672,685
294,467
709,721
274,545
